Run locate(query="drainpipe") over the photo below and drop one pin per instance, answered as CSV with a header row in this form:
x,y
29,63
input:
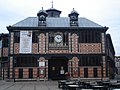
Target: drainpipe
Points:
x,y
9,54
2,64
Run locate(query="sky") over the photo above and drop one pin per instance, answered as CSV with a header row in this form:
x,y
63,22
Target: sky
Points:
x,y
103,12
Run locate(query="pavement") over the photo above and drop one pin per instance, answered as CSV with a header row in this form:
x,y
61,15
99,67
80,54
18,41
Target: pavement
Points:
x,y
32,85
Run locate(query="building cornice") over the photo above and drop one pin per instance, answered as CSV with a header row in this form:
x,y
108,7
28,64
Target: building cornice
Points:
x,y
11,28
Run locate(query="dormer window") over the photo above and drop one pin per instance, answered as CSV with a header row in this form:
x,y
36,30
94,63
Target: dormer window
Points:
x,y
42,18
73,18
42,14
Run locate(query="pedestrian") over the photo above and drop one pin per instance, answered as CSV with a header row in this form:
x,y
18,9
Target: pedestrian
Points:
x,y
67,74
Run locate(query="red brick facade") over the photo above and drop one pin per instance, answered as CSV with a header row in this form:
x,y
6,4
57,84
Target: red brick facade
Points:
x,y
74,47
90,48
42,48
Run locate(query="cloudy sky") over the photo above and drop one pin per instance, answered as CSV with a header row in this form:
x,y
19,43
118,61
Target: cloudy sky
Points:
x,y
103,12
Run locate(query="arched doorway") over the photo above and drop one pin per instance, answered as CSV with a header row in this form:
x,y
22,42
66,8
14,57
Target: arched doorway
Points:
x,y
57,66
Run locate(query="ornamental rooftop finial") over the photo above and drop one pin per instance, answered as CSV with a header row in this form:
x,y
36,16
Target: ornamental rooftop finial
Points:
x,y
52,3
73,9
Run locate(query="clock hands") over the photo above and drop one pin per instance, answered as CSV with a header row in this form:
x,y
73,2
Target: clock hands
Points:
x,y
59,38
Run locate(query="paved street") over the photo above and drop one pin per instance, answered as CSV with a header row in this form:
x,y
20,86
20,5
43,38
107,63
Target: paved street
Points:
x,y
38,85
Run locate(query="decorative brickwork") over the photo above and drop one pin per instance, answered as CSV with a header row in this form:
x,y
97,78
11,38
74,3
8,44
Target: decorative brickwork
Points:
x,y
11,67
42,43
16,48
16,72
90,72
81,72
5,72
11,42
108,65
25,73
90,48
34,48
103,43
73,48
75,66
74,43
70,67
58,51
47,42
104,68
69,39
35,72
99,72
46,61
5,52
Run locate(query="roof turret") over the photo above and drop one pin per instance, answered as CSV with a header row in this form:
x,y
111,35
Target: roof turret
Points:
x,y
42,12
52,12
73,12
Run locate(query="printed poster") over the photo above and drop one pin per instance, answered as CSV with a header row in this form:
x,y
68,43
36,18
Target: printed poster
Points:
x,y
25,42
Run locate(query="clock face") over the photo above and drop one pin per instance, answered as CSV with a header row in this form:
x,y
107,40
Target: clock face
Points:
x,y
58,38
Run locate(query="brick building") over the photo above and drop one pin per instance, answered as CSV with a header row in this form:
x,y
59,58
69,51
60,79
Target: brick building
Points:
x,y
117,65
4,55
47,46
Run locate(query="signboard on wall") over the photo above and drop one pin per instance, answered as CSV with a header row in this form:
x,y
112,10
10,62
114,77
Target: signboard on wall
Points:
x,y
41,64
25,42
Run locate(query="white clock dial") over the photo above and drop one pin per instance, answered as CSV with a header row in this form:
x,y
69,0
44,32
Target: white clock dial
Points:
x,y
58,38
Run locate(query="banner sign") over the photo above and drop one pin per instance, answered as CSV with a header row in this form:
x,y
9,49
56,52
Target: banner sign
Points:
x,y
25,42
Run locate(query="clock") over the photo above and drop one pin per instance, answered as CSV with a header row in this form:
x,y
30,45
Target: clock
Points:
x,y
58,38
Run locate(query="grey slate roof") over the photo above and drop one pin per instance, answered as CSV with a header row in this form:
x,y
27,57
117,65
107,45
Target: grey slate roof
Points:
x,y
55,22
